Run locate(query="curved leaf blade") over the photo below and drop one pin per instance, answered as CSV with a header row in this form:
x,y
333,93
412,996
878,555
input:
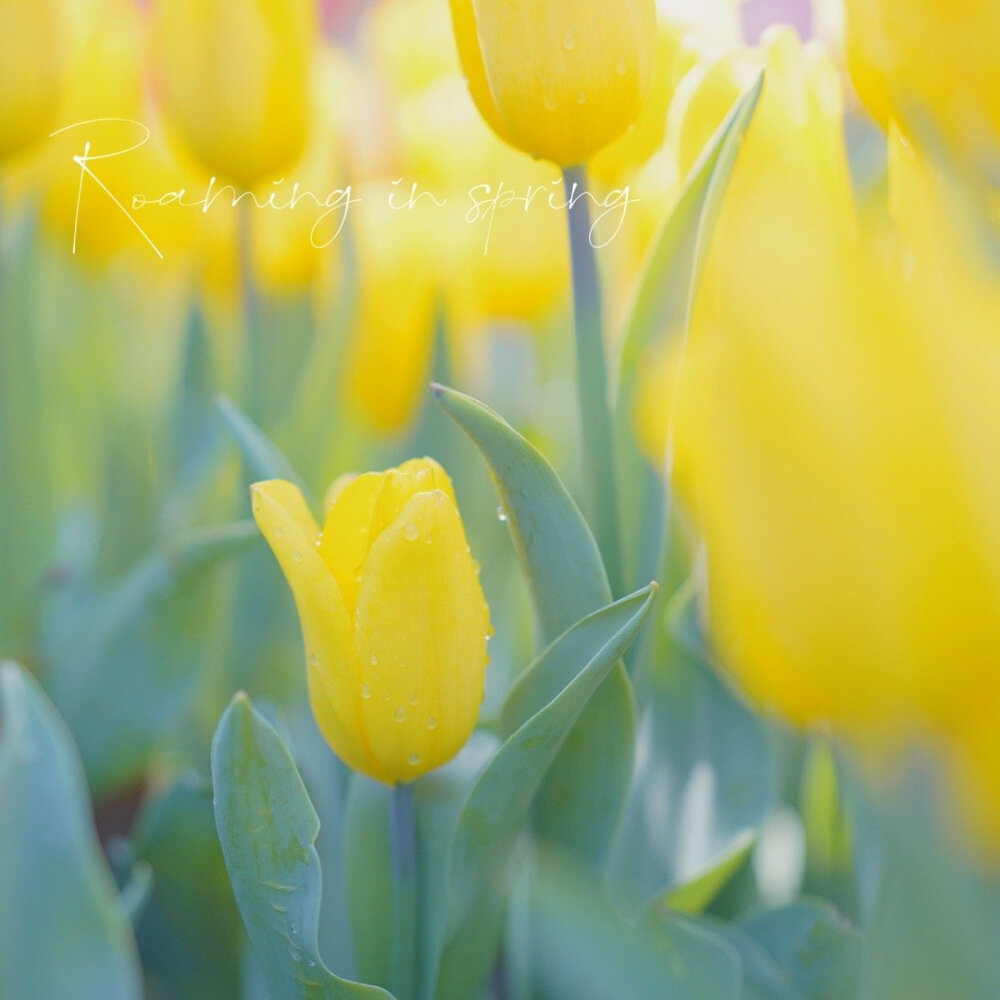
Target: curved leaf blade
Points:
x,y
64,931
268,827
586,787
497,807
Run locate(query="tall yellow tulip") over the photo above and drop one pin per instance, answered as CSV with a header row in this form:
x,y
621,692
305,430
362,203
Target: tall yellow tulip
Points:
x,y
393,617
558,80
234,77
831,443
29,72
918,59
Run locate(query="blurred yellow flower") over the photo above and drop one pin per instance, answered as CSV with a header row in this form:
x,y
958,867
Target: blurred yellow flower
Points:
x,y
393,617
410,43
561,80
917,59
29,72
832,438
234,76
389,358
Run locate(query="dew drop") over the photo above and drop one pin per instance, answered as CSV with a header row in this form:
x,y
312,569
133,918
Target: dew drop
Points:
x,y
313,660
413,759
569,40
374,660
549,101
400,714
297,555
501,514
357,575
414,701
366,692
319,542
621,66
476,567
411,533
279,532
432,722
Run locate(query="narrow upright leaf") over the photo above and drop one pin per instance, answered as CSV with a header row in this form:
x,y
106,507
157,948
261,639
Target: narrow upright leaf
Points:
x,y
587,785
64,931
267,827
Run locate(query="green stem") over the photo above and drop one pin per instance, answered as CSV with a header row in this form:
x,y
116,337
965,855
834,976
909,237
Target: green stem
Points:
x,y
403,845
592,379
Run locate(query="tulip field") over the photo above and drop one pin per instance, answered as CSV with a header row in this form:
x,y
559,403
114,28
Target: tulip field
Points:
x,y
499,500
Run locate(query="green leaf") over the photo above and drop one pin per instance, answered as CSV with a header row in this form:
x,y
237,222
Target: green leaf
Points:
x,y
263,459
586,787
802,951
582,949
704,780
665,293
189,934
267,827
497,807
64,931
131,655
661,308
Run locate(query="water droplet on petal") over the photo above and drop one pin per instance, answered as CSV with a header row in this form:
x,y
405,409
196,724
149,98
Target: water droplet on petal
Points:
x,y
432,723
414,701
279,532
569,40
621,66
366,692
297,555
411,532
313,660
413,760
501,513
549,101
581,98
400,714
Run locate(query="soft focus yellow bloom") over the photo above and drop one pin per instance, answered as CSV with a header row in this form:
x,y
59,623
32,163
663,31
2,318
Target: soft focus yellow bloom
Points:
x,y
558,80
389,359
676,54
29,72
393,618
914,59
234,77
832,438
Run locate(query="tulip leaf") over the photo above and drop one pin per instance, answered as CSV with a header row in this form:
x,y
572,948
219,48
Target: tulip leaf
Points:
x,y
268,827
64,931
143,638
802,951
582,949
665,293
495,811
262,457
704,780
586,787
661,308
189,933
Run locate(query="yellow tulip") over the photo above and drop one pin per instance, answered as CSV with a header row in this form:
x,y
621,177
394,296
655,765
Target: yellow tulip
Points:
x,y
234,77
914,59
393,618
832,444
29,72
559,80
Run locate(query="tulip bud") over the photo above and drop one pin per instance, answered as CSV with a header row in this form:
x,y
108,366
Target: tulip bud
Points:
x,y
235,77
392,614
926,63
29,78
559,80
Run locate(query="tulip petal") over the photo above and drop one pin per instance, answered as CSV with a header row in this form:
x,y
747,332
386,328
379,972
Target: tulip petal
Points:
x,y
420,631
285,521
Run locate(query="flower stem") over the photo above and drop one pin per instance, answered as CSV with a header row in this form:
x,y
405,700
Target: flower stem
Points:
x,y
592,379
403,845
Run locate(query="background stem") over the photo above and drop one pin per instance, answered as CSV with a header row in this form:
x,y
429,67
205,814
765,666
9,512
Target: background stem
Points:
x,y
592,379
403,845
